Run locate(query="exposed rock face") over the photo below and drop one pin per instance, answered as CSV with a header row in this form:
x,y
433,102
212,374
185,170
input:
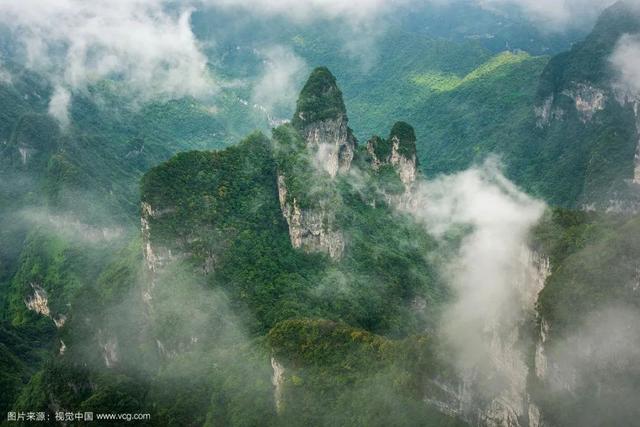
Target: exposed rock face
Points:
x,y
547,112
627,199
24,154
155,257
39,302
407,166
635,103
540,359
321,118
513,406
277,380
334,144
109,350
506,403
400,152
311,229
546,369
588,100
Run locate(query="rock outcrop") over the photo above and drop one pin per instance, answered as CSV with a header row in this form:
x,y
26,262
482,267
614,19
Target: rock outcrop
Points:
x,y
277,380
398,152
625,98
588,100
321,119
39,302
328,152
312,230
155,258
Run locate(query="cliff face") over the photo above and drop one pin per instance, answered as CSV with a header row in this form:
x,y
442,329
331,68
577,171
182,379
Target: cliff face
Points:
x,y
155,257
312,230
397,154
327,151
398,151
584,122
308,180
39,302
636,169
333,143
496,393
321,119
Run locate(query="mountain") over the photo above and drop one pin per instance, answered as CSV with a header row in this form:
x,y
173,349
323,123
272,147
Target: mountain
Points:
x,y
220,230
341,203
578,100
311,276
468,103
585,362
286,275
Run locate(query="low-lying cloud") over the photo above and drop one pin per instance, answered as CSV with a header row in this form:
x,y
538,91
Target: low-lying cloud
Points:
x,y
485,273
626,63
553,14
279,82
149,44
140,42
69,227
357,11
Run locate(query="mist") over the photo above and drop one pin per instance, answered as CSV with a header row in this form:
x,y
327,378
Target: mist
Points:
x,y
148,46
625,61
487,269
141,43
447,262
276,87
554,15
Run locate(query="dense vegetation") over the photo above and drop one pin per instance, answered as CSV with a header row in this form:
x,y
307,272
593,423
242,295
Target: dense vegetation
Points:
x,y
589,299
194,341
224,248
320,99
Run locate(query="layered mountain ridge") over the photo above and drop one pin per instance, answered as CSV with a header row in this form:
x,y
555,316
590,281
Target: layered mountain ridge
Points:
x,y
283,281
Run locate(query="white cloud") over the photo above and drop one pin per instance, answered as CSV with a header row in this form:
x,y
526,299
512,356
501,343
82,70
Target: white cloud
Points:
x,y
69,226
485,273
59,105
279,83
551,14
76,43
5,75
360,22
356,11
149,44
626,62
608,340
554,14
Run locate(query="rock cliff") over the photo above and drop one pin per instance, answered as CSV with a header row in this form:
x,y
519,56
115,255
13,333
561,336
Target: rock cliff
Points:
x,y
321,119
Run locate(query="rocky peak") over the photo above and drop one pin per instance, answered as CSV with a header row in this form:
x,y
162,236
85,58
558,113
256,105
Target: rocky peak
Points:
x,y
321,118
320,99
587,65
399,150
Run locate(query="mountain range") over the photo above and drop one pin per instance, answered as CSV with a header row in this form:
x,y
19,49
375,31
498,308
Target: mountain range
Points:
x,y
443,234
